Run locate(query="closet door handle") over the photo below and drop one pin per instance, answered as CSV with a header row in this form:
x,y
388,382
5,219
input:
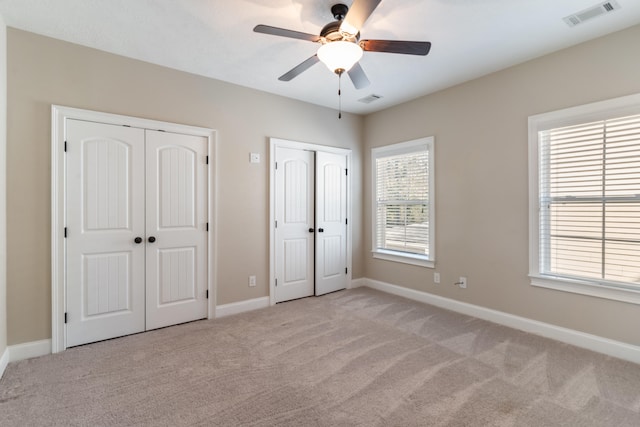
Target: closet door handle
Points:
x,y
311,230
138,240
320,230
152,239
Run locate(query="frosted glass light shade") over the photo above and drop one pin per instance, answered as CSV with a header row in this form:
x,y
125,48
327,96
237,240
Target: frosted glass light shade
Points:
x,y
340,55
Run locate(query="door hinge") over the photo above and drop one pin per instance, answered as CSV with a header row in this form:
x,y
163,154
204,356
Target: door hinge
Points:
x,y
346,172
127,126
207,293
65,317
276,282
207,226
276,224
276,165
207,159
65,232
65,146
346,221
346,270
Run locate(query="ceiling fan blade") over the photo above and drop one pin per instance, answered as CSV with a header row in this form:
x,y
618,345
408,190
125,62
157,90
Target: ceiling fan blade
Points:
x,y
357,15
396,46
275,31
358,77
299,69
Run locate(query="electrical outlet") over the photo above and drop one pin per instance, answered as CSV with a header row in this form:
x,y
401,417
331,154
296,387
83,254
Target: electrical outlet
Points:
x,y
252,281
436,277
462,282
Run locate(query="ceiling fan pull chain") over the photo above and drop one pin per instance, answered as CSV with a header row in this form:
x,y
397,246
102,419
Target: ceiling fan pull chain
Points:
x,y
339,95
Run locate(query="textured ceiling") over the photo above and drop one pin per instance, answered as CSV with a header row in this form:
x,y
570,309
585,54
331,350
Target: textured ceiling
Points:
x,y
214,38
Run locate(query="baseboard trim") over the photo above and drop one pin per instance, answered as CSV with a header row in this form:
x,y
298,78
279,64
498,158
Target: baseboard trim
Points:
x,y
241,306
4,361
595,343
356,283
28,350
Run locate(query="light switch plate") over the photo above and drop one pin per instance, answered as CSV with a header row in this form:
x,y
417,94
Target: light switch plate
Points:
x,y
254,157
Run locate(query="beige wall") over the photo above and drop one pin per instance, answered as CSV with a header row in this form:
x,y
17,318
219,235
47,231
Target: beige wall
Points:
x,y
480,131
3,199
43,71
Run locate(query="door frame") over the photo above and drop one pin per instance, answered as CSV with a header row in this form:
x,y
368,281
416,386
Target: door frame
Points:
x,y
284,143
59,115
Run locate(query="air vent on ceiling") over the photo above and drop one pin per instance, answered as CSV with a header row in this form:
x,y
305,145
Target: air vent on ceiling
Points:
x,y
592,12
369,99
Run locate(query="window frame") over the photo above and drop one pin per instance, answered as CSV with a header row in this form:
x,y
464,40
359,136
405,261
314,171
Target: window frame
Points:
x,y
407,147
603,110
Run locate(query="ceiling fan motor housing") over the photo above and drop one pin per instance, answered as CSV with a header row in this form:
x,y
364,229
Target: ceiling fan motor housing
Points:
x,y
331,32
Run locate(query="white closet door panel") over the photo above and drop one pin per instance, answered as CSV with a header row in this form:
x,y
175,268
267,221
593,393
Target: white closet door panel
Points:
x,y
106,283
331,249
331,217
105,213
106,178
177,281
176,192
296,255
294,201
176,201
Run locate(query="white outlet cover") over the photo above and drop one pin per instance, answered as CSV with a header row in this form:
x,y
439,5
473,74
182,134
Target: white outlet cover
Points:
x,y
254,157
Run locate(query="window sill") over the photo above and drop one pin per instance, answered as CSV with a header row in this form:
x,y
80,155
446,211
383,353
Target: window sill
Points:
x,y
583,287
404,258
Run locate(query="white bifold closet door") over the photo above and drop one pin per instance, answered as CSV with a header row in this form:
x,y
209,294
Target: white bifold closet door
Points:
x,y
136,214
311,223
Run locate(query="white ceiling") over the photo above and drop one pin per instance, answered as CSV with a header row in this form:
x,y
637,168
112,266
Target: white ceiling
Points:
x,y
214,38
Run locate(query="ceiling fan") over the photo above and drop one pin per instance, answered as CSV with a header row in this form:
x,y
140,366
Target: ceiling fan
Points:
x,y
341,45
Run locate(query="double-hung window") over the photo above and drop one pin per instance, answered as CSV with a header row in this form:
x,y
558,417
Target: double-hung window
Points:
x,y
585,199
403,202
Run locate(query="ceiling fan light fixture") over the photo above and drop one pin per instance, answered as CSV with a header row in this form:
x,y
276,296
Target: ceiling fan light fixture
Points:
x,y
339,55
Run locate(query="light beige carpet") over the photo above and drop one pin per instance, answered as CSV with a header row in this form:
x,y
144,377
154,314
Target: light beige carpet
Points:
x,y
352,358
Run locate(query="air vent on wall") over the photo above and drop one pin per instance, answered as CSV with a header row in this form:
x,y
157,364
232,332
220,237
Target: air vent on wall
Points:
x,y
592,12
369,99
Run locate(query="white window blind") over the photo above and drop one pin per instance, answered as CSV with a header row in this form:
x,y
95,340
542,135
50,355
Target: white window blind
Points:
x,y
589,195
403,202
